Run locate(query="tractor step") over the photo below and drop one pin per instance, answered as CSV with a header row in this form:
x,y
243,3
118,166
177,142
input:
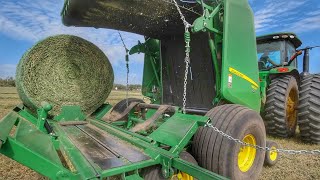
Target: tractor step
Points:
x,y
102,149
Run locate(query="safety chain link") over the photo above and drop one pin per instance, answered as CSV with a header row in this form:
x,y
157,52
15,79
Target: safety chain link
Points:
x,y
187,39
127,66
185,22
285,151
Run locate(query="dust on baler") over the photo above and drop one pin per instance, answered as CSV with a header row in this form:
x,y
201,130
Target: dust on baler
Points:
x,y
64,131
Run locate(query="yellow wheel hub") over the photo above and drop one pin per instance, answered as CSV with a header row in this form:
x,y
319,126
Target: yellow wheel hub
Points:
x,y
182,176
291,108
247,154
273,153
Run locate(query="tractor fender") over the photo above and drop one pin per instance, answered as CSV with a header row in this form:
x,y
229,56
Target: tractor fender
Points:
x,y
281,71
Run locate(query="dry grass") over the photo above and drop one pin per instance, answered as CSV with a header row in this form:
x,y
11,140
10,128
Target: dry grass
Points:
x,y
289,166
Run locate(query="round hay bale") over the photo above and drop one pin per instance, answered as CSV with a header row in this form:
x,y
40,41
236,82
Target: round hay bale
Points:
x,y
64,70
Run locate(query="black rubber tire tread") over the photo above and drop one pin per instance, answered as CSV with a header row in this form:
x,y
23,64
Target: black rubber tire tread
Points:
x,y
218,154
267,160
122,105
275,116
154,172
309,109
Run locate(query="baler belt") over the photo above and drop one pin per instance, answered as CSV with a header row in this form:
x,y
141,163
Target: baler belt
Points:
x,y
148,123
115,116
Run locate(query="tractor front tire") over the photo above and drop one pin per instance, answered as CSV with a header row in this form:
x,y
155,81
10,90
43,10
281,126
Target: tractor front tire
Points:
x,y
226,157
280,114
309,109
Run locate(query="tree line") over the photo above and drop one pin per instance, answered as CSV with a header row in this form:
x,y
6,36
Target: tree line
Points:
x,y
7,82
131,87
10,82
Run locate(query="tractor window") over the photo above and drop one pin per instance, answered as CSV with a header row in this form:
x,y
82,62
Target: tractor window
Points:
x,y
271,54
290,52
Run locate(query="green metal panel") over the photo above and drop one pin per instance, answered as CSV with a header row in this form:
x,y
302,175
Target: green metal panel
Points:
x,y
176,128
240,66
133,177
70,113
195,171
152,68
7,124
35,140
22,154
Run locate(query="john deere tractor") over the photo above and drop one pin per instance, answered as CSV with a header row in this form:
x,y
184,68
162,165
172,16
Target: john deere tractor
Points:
x,y
283,88
200,72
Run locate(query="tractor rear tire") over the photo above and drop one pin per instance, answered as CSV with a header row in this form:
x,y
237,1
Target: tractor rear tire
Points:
x,y
226,157
280,114
309,109
155,173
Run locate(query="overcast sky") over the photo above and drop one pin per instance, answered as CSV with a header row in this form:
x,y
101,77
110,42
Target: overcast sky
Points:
x,y
24,22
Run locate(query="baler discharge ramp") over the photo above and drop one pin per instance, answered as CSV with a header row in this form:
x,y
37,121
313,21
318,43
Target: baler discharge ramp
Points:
x,y
92,148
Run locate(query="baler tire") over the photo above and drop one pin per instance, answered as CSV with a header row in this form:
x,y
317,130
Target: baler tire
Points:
x,y
278,118
309,109
219,154
271,157
154,172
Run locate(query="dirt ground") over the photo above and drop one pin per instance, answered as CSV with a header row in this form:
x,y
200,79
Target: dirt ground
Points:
x,y
289,166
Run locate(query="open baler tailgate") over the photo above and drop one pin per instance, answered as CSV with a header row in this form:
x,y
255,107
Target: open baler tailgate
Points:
x,y
152,18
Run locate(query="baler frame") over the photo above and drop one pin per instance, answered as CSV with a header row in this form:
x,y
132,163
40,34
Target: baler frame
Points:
x,y
20,120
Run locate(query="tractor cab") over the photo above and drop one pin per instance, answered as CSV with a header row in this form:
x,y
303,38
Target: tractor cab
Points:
x,y
277,50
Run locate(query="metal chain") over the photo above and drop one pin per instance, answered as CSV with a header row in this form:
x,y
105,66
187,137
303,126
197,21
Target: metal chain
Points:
x,y
127,85
185,82
185,22
127,66
190,9
238,141
187,55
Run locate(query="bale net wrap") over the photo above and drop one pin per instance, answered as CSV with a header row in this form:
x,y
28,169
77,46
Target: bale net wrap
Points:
x,y
152,18
64,70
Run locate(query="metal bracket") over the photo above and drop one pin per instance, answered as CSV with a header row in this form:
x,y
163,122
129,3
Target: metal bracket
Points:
x,y
205,22
43,115
167,170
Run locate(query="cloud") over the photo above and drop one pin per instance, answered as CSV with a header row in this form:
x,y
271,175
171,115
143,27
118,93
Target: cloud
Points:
x,y
34,20
309,23
276,13
7,70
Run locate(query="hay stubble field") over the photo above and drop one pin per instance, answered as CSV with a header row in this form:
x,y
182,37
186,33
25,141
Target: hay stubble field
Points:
x,y
289,166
